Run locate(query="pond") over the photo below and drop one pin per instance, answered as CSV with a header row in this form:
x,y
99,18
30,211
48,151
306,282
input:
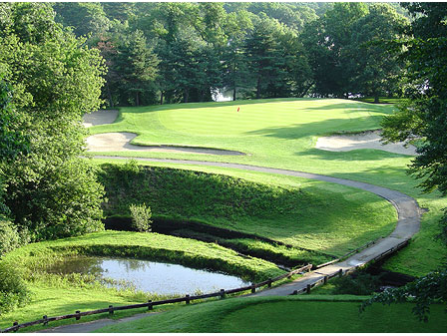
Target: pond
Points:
x,y
149,276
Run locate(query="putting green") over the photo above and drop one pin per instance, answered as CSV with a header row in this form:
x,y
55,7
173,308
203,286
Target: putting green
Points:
x,y
282,133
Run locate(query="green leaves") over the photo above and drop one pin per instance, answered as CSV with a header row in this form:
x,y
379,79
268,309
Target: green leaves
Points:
x,y
56,79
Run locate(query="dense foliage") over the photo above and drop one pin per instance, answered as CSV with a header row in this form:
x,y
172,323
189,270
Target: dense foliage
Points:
x,y
425,117
173,52
49,191
13,291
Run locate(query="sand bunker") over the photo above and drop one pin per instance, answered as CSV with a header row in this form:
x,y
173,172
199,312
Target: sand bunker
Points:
x,y
116,142
365,140
100,117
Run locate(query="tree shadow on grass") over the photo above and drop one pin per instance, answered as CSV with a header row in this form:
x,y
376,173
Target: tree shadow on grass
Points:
x,y
209,105
364,154
323,127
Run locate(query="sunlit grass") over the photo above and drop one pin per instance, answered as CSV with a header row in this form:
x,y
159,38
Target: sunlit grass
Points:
x,y
324,314
282,133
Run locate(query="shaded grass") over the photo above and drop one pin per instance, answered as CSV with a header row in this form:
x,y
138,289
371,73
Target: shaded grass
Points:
x,y
319,216
282,133
287,314
152,246
55,294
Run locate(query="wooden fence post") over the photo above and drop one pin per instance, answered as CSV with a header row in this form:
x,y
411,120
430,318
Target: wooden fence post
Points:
x,y
45,320
270,283
325,279
308,289
110,310
222,293
340,272
187,298
78,317
149,306
253,288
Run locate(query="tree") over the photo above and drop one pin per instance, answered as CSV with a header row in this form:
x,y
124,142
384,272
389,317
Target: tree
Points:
x,y
85,17
378,72
136,65
264,56
327,41
56,79
425,116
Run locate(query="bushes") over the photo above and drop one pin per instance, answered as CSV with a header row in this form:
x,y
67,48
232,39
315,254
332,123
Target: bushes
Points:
x,y
361,283
10,239
13,291
141,217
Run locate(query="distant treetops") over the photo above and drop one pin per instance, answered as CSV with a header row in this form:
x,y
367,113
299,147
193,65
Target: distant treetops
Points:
x,y
181,52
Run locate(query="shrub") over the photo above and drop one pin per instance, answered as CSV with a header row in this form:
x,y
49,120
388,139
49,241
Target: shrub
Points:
x,y
13,291
141,217
9,237
361,283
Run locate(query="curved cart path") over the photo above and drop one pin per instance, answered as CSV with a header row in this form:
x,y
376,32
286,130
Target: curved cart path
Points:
x,y
407,208
407,225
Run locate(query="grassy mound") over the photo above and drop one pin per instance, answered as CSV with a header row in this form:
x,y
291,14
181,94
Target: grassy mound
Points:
x,y
286,315
282,133
54,294
326,218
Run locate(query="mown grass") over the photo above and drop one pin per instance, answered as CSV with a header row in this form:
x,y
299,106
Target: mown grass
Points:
x,y
282,133
322,217
55,294
286,314
382,100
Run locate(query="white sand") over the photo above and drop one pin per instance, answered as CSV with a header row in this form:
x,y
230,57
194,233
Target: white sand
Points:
x,y
100,117
365,140
116,142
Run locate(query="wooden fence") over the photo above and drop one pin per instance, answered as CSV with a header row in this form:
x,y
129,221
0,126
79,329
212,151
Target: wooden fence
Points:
x,y
222,293
340,272
150,304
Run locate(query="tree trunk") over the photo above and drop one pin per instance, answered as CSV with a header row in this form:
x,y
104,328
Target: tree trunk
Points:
x,y
137,98
161,97
185,96
201,95
258,88
234,93
109,94
376,98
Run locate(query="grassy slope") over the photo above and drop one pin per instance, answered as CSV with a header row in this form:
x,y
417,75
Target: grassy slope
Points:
x,y
296,211
53,295
282,133
285,314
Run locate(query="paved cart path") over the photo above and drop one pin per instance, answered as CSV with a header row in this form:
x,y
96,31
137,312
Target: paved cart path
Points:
x,y
407,225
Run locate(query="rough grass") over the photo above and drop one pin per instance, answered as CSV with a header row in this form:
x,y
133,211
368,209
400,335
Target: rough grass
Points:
x,y
285,315
282,133
323,217
59,295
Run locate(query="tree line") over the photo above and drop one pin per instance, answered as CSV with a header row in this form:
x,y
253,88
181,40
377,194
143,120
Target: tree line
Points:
x,y
132,54
183,52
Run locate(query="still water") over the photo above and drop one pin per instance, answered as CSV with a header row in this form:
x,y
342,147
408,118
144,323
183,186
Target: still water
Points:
x,y
149,276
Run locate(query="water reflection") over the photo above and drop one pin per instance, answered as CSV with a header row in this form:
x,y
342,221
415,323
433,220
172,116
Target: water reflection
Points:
x,y
149,276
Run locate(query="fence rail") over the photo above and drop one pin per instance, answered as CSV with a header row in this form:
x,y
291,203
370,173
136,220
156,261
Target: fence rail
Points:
x,y
222,293
150,304
340,272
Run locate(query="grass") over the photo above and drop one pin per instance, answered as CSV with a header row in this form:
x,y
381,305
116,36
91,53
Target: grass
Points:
x,y
282,133
382,100
59,295
307,214
301,314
